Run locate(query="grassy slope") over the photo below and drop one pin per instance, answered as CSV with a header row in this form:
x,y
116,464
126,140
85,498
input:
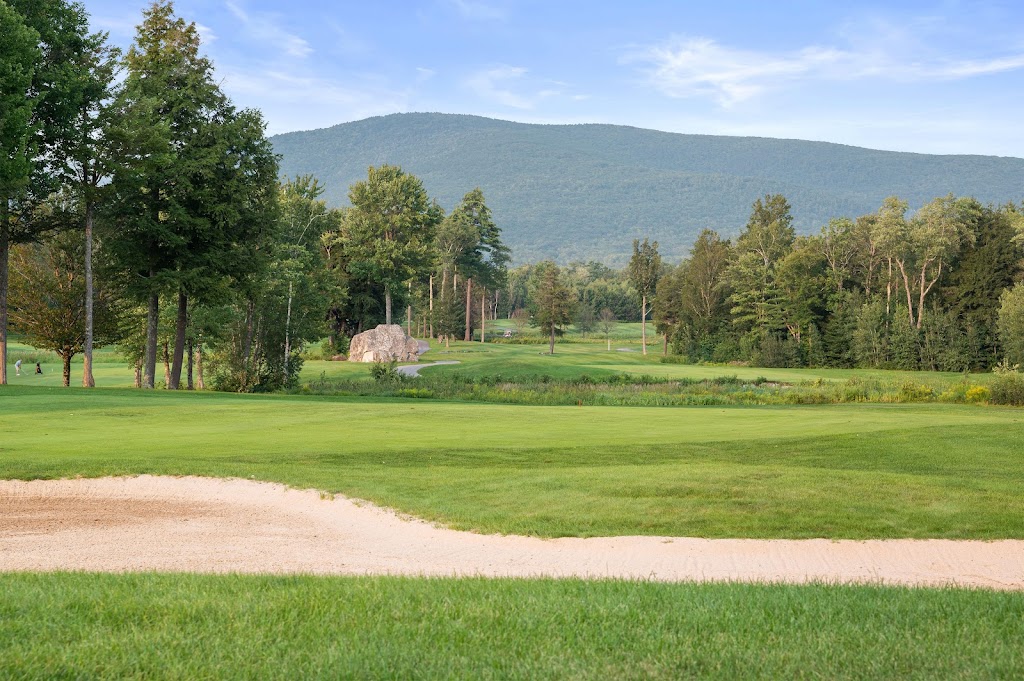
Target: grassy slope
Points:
x,y
191,627
835,471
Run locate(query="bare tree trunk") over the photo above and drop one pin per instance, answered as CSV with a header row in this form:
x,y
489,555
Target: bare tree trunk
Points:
x,y
906,288
408,313
888,290
287,334
167,365
551,346
483,317
179,342
5,254
250,310
191,359
152,321
664,347
200,384
431,333
387,305
609,340
643,323
138,373
469,308
66,356
88,381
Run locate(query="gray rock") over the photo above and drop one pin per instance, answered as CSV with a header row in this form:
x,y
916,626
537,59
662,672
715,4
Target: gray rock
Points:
x,y
383,344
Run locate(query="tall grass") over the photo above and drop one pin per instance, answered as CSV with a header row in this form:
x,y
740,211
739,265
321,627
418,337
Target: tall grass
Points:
x,y
645,390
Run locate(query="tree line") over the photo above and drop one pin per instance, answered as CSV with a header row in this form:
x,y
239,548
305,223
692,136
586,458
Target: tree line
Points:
x,y
937,289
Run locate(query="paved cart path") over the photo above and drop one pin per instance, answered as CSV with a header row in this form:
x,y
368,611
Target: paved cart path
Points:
x,y
212,526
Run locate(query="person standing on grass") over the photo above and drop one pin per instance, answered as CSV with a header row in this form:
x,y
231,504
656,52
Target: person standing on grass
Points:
x,y
17,368
39,369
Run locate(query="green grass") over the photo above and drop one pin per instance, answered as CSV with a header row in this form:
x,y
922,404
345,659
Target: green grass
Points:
x,y
573,360
198,627
841,471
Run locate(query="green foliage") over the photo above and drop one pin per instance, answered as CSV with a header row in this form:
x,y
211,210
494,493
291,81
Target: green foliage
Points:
x,y
673,185
386,373
552,301
390,228
1007,388
1011,324
19,59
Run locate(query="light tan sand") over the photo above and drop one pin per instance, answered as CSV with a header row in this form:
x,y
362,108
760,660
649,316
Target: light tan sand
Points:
x,y
205,525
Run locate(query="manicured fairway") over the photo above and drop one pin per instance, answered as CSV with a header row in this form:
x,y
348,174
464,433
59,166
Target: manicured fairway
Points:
x,y
192,627
842,471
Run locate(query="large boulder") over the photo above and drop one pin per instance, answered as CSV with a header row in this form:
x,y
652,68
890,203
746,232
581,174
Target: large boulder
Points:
x,y
383,344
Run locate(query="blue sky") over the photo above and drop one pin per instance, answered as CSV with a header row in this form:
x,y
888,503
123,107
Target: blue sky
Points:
x,y
931,77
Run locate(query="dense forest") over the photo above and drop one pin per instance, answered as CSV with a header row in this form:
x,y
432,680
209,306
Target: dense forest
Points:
x,y
584,192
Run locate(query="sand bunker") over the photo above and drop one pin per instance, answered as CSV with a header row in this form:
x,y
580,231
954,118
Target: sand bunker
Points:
x,y
212,526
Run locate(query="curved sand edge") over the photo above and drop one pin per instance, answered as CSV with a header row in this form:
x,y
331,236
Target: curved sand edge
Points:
x,y
191,524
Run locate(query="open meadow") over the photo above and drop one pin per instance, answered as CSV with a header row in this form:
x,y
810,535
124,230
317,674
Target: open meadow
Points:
x,y
920,469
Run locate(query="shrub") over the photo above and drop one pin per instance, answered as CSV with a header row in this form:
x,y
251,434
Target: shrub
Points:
x,y
386,372
1008,388
977,393
909,392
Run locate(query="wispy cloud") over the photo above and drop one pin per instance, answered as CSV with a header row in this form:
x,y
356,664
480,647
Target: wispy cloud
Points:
x,y
266,29
119,28
700,67
206,33
475,9
493,84
302,102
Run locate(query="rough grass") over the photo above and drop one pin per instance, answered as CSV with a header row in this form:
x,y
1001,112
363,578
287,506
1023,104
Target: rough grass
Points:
x,y
233,627
842,471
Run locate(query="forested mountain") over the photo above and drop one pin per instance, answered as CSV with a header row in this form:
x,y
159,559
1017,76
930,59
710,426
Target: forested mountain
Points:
x,y
580,192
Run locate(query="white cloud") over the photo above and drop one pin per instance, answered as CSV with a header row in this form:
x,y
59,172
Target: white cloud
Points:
x,y
700,67
492,84
424,74
206,34
266,29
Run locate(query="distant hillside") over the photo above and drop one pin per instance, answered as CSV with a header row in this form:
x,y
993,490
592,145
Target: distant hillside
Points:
x,y
572,192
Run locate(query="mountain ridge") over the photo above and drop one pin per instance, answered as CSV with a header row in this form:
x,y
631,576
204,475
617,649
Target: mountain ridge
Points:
x,y
585,191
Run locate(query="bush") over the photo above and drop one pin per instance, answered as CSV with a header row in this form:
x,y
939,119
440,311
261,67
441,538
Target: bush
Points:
x,y
910,392
386,372
1007,388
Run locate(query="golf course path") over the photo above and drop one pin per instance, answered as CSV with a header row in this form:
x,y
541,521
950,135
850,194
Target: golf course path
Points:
x,y
413,370
204,525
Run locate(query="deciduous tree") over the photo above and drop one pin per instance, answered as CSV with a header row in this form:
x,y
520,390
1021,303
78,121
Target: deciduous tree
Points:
x,y
390,229
644,272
